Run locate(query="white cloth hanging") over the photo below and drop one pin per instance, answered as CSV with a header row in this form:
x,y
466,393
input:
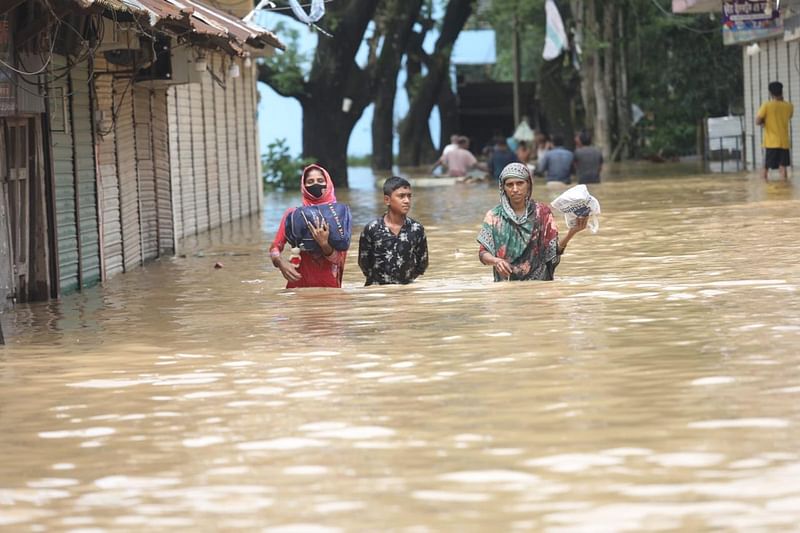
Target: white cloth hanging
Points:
x,y
555,36
523,132
316,13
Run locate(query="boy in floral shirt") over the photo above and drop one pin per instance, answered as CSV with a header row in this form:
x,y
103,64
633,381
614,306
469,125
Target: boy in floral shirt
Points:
x,y
393,248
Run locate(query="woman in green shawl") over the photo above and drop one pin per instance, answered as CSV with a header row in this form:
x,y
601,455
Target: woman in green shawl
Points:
x,y
519,238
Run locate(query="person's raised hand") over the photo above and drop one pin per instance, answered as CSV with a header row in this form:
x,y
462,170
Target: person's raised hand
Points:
x,y
580,224
320,231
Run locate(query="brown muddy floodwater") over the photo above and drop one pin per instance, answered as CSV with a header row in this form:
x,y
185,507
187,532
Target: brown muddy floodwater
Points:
x,y
654,385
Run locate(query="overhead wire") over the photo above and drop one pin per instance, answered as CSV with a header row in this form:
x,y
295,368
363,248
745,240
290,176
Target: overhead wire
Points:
x,y
680,25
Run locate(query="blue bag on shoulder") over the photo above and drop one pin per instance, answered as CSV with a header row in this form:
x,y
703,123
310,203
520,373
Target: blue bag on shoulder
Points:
x,y
336,214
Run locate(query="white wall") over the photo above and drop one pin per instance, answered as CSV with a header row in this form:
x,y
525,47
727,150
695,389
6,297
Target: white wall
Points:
x,y
777,61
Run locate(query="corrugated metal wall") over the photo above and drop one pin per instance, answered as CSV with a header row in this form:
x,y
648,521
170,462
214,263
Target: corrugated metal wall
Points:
x,y
148,211
210,151
198,146
85,176
777,61
64,169
166,236
175,163
231,141
137,168
107,178
221,132
242,168
252,137
127,172
186,157
215,176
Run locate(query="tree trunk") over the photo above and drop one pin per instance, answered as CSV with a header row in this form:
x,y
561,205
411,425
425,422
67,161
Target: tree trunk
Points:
x,y
601,124
399,23
623,102
448,115
586,71
326,133
556,100
609,65
383,130
334,76
414,130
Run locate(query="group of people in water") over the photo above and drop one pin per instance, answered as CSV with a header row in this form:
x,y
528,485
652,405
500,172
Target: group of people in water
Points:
x,y
518,239
545,156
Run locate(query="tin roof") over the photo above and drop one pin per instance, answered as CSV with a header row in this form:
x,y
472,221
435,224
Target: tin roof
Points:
x,y
207,21
196,21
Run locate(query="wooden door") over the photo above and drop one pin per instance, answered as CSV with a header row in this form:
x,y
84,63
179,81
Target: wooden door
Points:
x,y
6,252
19,158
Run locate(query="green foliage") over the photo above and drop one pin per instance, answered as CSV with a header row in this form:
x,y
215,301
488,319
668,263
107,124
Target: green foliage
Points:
x,y
359,160
280,169
530,18
680,74
668,138
288,68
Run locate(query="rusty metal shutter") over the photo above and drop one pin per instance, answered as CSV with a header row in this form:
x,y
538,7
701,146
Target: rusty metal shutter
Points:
x,y
199,173
210,151
128,179
161,159
175,163
110,227
148,212
64,169
85,175
221,141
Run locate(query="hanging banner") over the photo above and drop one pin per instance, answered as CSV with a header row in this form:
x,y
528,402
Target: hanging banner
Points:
x,y
555,36
745,21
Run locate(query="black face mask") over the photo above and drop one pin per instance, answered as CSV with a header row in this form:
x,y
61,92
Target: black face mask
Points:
x,y
315,190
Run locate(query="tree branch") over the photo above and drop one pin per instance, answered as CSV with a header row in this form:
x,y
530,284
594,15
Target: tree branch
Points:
x,y
289,84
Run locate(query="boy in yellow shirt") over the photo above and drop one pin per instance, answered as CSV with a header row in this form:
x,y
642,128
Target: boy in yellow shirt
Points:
x,y
774,116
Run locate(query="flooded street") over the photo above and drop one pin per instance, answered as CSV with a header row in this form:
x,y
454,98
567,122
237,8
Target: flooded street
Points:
x,y
654,385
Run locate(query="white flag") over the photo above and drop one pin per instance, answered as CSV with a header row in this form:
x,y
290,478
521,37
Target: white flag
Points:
x,y
556,39
317,11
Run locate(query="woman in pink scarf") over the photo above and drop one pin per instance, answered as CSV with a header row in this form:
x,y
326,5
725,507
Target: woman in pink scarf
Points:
x,y
316,269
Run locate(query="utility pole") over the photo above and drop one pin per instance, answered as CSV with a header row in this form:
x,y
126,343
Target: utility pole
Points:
x,y
516,59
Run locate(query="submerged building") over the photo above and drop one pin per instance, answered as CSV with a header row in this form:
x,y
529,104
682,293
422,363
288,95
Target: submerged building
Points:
x,y
125,127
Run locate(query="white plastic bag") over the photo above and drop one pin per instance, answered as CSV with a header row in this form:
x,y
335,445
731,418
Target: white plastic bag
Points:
x,y
577,202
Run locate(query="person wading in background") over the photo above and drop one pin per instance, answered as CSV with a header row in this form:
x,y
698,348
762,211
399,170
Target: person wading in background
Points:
x,y
774,116
588,160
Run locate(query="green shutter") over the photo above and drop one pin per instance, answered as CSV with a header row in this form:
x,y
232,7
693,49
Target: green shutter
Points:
x,y
61,127
85,175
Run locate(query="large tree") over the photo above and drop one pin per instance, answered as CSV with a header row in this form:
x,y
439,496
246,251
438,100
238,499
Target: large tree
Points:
x,y
394,28
425,90
334,76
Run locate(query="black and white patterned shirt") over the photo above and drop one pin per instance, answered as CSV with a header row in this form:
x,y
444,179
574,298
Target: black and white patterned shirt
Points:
x,y
386,258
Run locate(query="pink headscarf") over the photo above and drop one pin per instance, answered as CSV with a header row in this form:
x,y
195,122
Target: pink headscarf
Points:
x,y
327,197
308,199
